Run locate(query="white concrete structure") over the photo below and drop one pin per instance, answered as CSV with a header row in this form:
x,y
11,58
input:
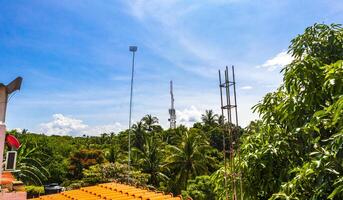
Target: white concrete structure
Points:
x,y
13,196
5,91
2,146
3,102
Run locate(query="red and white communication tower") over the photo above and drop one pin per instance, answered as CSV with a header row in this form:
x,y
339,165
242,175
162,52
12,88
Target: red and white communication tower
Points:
x,y
172,113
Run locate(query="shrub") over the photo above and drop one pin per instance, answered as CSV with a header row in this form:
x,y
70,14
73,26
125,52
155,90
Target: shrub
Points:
x,y
34,191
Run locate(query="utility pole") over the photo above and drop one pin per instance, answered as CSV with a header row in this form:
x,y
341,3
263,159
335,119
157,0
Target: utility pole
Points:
x,y
172,113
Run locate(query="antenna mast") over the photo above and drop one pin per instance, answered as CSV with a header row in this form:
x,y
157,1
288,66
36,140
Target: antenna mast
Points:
x,y
172,114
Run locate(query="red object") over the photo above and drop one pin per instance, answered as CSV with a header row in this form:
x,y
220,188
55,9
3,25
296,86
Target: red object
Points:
x,y
6,178
12,141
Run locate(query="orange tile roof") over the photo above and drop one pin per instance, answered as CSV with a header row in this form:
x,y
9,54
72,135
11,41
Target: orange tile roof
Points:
x,y
109,191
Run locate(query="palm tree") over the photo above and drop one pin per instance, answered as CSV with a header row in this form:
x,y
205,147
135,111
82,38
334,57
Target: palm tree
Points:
x,y
173,136
209,118
139,133
150,122
221,120
114,154
150,159
189,158
103,138
31,169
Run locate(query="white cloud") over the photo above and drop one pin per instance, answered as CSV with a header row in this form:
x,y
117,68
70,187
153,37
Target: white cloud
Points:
x,y
63,125
97,130
247,87
280,60
188,116
19,130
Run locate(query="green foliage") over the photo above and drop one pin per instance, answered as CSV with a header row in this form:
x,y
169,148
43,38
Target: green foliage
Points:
x,y
151,124
34,191
295,151
58,169
200,188
320,177
188,159
218,181
108,172
74,184
216,137
83,159
150,160
209,118
138,130
75,162
113,154
31,169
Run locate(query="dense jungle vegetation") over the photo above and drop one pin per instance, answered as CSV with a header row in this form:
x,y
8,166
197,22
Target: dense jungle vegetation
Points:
x,y
294,151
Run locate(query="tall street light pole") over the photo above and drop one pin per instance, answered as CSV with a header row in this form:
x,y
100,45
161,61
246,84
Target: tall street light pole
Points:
x,y
133,49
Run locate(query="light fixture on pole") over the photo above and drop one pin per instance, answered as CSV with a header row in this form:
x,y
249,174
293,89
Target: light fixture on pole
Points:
x,y
133,49
6,90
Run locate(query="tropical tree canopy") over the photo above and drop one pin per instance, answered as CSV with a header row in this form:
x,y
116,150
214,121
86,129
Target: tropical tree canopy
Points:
x,y
188,159
295,151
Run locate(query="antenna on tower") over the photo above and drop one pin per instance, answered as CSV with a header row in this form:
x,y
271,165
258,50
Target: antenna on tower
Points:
x,y
172,114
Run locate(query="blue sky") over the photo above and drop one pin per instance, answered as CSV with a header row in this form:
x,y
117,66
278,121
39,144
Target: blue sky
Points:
x,y
74,58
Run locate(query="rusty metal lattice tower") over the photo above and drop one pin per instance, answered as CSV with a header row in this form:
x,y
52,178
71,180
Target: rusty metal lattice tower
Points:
x,y
231,132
